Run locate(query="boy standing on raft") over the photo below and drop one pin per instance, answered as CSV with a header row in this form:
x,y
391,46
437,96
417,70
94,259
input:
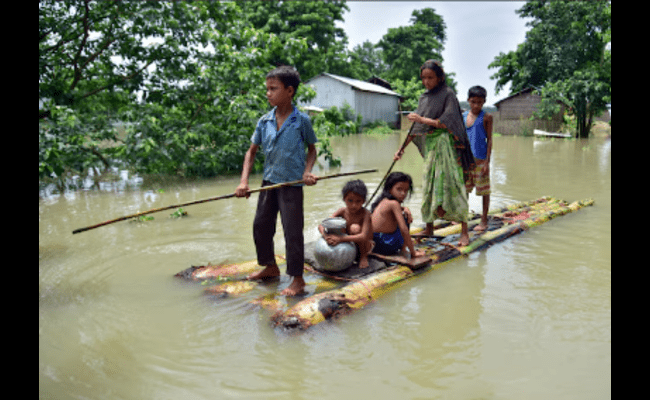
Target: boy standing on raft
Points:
x,y
283,134
479,132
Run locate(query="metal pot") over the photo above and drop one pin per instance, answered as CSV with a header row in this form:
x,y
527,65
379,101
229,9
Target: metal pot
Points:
x,y
334,226
334,258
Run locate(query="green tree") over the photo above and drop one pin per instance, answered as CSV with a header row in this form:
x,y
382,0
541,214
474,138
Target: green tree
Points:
x,y
566,55
410,90
365,61
406,48
313,21
183,79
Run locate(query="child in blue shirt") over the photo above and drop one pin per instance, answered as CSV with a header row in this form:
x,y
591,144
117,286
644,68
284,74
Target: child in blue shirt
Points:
x,y
479,132
282,134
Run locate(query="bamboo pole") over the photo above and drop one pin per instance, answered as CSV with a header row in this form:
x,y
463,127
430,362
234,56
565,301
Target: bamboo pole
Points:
x,y
227,196
390,168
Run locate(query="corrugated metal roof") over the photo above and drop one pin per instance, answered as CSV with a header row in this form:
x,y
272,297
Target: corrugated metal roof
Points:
x,y
527,90
360,85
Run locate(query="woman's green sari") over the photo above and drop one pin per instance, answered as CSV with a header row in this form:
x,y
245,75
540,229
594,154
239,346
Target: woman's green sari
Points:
x,y
443,180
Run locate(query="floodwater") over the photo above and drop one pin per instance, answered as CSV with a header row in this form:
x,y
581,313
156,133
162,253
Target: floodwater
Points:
x,y
529,318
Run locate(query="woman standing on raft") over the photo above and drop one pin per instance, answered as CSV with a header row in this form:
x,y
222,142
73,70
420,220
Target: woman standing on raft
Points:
x,y
440,135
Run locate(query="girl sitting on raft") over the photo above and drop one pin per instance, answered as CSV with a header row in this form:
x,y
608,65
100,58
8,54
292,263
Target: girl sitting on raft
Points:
x,y
389,219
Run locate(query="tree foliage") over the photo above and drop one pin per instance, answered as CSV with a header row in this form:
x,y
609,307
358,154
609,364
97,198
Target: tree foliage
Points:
x,y
183,80
565,55
177,87
365,61
312,20
406,48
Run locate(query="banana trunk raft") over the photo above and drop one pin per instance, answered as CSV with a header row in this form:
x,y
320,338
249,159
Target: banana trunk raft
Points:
x,y
331,295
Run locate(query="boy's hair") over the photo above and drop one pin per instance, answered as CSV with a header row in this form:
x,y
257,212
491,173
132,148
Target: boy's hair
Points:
x,y
436,67
391,181
287,75
356,186
477,91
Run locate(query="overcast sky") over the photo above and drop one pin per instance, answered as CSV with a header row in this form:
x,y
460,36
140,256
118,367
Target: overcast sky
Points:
x,y
476,32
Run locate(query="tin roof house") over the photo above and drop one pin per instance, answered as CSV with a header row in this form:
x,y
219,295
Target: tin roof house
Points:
x,y
515,115
373,102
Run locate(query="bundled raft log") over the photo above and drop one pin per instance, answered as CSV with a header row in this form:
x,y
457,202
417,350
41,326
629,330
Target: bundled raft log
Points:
x,y
336,303
332,295
238,270
204,272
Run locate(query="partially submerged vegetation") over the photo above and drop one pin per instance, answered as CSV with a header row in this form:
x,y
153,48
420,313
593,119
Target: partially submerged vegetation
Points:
x,y
176,88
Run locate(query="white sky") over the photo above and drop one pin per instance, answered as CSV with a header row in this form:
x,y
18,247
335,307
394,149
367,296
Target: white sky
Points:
x,y
476,32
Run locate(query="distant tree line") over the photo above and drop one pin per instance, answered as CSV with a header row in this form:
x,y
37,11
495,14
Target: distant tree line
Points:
x,y
177,87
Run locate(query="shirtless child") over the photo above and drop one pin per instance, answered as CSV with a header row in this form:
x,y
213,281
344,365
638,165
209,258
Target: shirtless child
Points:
x,y
358,224
391,233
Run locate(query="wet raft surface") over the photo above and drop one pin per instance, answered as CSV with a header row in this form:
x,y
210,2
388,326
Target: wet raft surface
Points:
x,y
330,295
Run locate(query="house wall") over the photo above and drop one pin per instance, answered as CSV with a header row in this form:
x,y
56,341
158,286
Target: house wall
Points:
x,y
330,92
371,106
376,106
514,116
522,106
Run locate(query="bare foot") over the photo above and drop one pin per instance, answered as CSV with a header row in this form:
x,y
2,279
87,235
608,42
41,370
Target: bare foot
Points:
x,y
464,235
363,262
296,287
480,227
464,239
427,232
271,271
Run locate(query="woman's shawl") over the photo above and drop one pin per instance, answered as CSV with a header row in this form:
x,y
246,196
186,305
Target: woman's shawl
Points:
x,y
441,103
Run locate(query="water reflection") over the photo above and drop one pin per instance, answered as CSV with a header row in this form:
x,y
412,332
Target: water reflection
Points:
x,y
110,180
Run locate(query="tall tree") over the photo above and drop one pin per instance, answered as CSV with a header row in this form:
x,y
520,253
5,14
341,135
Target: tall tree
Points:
x,y
365,61
314,21
566,56
406,48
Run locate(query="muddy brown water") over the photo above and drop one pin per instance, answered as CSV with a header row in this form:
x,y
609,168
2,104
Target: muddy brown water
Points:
x,y
527,318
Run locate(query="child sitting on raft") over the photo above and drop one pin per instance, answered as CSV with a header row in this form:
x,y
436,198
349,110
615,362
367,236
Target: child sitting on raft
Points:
x,y
358,223
390,221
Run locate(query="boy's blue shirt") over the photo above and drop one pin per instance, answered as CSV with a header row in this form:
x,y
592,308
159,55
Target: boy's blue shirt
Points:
x,y
284,150
477,136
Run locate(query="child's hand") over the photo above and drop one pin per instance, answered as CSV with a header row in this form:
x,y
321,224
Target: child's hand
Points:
x,y
332,240
407,213
309,178
242,190
418,253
